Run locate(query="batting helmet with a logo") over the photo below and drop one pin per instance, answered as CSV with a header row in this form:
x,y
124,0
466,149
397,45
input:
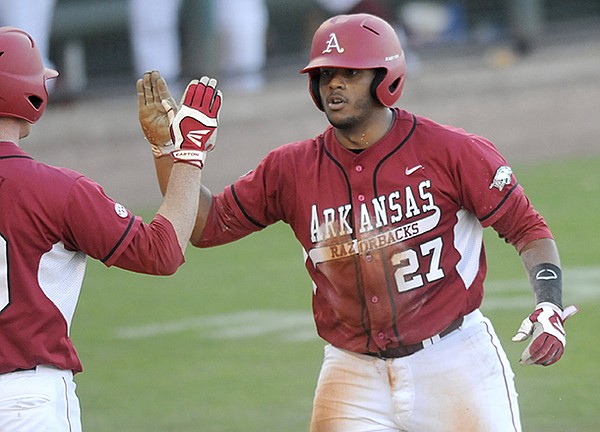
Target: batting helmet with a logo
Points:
x,y
358,41
23,92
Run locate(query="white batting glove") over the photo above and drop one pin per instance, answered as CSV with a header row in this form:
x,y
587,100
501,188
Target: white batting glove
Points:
x,y
194,127
545,327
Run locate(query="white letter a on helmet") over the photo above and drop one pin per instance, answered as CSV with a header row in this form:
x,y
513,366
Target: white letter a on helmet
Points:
x,y
332,43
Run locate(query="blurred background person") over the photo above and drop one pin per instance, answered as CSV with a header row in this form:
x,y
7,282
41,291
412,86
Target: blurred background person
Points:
x,y
33,16
239,29
154,30
242,33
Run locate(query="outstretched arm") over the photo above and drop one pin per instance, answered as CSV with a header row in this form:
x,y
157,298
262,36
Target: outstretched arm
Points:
x,y
152,90
154,103
180,203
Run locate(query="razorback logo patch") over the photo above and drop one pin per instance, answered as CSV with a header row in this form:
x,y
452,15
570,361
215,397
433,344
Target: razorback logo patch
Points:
x,y
502,177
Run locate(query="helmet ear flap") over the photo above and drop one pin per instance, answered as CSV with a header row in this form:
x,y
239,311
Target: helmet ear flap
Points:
x,y
313,87
377,80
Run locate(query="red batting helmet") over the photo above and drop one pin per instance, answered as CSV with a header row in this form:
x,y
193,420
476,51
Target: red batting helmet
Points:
x,y
359,41
23,77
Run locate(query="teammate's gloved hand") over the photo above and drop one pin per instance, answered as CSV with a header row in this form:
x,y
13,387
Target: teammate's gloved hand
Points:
x,y
152,93
194,127
545,326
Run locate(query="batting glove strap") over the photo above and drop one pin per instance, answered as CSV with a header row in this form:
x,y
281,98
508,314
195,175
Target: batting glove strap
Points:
x,y
545,328
192,157
162,150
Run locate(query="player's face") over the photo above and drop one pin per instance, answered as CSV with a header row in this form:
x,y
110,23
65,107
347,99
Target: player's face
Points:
x,y
346,96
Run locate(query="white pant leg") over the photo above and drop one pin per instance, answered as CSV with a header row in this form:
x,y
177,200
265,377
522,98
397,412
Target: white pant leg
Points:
x,y
242,28
40,400
462,382
352,395
155,37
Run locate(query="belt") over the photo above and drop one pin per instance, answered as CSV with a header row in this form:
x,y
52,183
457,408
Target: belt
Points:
x,y
406,350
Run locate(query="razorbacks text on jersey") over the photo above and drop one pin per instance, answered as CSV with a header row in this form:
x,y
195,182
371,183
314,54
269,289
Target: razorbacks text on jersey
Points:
x,y
393,235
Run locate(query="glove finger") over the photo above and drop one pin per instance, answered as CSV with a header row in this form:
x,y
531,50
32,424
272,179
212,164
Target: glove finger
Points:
x,y
524,330
192,95
552,357
152,86
139,85
196,102
216,106
544,349
144,89
169,109
188,94
549,356
164,93
209,95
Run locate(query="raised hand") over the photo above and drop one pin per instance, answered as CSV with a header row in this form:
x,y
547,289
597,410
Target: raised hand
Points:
x,y
194,127
153,95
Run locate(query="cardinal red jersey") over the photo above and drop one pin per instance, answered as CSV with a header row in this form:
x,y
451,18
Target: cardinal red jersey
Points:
x,y
50,219
393,235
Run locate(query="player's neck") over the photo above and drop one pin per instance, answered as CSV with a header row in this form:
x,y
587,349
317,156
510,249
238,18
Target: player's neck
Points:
x,y
10,130
364,136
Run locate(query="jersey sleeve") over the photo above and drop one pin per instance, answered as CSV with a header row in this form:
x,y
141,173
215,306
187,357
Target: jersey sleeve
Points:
x,y
490,189
521,224
252,203
153,250
95,224
486,182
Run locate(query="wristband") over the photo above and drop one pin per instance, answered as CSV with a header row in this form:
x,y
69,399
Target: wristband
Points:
x,y
546,282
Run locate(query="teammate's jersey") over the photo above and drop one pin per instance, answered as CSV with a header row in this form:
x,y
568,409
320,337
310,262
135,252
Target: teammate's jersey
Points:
x,y
393,234
50,219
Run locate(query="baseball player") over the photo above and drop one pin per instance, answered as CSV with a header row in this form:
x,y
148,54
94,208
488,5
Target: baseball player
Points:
x,y
52,218
390,208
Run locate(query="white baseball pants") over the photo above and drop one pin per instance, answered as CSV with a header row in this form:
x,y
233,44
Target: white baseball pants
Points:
x,y
462,383
39,400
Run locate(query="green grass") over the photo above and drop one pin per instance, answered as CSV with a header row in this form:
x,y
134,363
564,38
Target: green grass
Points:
x,y
198,374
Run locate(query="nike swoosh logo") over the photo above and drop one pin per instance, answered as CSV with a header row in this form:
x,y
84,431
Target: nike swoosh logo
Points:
x,y
409,171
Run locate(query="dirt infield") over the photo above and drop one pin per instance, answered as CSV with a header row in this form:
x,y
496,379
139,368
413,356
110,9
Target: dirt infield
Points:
x,y
544,106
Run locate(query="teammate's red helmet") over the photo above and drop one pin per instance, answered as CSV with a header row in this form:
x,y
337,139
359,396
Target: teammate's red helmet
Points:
x,y
23,77
359,41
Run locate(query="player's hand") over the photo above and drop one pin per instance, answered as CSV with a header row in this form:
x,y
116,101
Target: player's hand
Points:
x,y
545,327
194,127
153,97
